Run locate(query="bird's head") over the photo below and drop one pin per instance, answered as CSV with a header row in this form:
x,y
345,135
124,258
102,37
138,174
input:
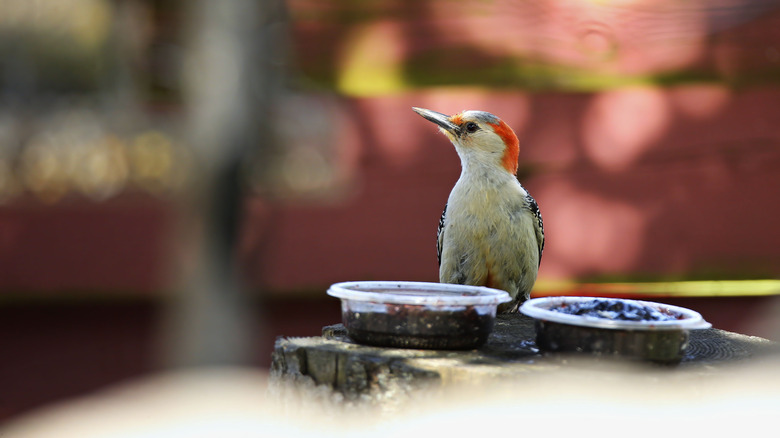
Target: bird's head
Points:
x,y
479,137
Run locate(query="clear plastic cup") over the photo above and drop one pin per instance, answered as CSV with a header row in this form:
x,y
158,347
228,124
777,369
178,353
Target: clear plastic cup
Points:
x,y
605,333
404,314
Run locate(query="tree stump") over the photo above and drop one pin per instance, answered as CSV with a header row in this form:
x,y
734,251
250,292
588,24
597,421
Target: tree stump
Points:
x,y
335,368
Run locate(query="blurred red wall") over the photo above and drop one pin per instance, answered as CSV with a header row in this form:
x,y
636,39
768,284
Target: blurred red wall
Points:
x,y
651,183
694,195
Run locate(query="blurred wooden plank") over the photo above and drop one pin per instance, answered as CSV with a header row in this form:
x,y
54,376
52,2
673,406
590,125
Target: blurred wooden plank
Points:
x,y
115,248
367,48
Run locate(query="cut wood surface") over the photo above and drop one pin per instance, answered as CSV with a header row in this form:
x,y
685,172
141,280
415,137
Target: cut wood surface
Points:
x,y
335,366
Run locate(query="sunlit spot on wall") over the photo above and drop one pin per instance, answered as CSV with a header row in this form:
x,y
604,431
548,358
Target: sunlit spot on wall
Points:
x,y
396,148
76,151
372,60
44,170
314,156
591,233
306,170
700,101
154,162
613,37
102,170
598,41
620,125
84,23
620,3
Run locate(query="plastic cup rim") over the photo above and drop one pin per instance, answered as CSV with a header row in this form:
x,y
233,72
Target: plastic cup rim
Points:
x,y
538,308
418,293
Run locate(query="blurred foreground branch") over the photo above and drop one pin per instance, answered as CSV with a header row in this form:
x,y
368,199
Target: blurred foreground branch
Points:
x,y
231,87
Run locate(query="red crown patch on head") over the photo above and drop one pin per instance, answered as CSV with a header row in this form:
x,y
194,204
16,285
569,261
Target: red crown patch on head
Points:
x,y
512,151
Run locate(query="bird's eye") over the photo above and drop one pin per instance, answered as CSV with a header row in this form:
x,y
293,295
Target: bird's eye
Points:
x,y
471,127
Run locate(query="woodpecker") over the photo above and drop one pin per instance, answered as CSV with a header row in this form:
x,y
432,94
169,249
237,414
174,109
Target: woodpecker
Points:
x,y
490,232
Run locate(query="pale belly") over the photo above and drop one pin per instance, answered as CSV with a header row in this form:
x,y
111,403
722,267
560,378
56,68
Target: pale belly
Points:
x,y
497,249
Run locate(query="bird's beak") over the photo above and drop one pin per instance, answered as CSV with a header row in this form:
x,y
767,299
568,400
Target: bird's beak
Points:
x,y
443,120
